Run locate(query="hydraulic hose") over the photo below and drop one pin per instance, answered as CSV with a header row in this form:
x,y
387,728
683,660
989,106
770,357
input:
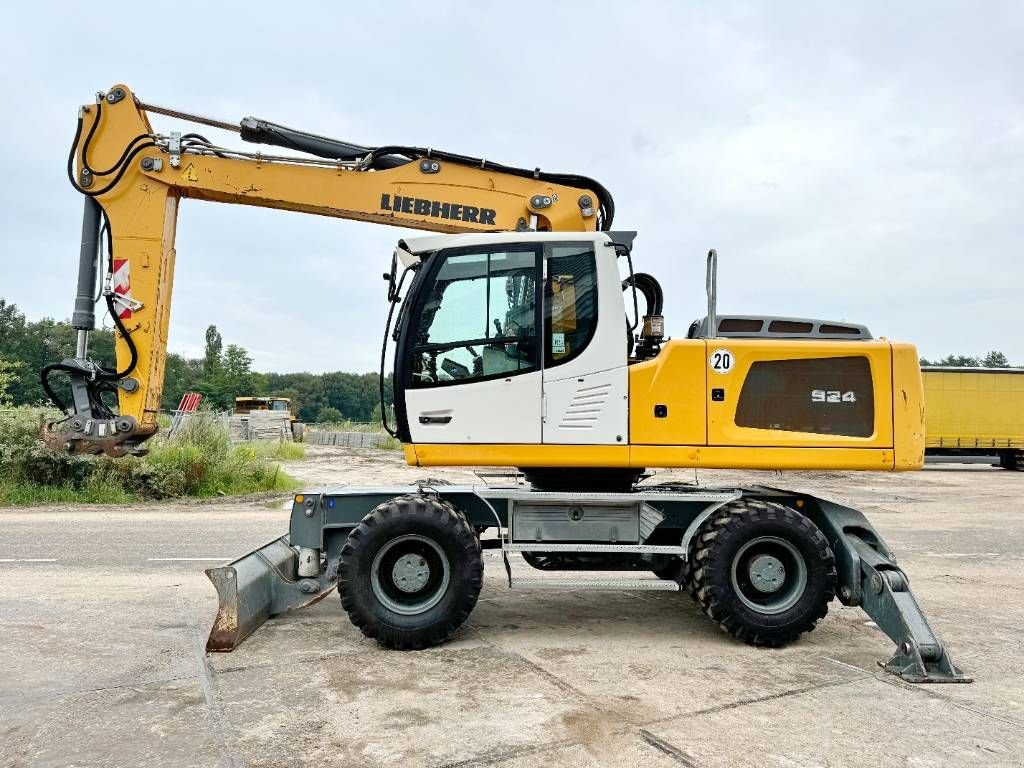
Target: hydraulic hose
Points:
x,y
380,158
88,141
651,289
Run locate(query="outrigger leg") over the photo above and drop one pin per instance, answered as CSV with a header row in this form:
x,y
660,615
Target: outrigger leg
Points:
x,y
870,578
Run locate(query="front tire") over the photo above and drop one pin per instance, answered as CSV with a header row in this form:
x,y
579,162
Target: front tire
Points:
x,y
763,572
410,573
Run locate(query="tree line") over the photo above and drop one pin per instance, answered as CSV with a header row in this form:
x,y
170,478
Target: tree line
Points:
x,y
993,359
223,373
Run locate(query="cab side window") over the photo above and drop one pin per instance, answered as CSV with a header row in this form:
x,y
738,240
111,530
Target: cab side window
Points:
x,y
479,319
570,302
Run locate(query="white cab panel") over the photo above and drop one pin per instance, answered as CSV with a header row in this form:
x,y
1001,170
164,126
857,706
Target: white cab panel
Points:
x,y
592,409
505,410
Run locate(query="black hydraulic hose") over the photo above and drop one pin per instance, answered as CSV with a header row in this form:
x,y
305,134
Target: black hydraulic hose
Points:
x,y
122,164
648,285
88,141
380,158
104,235
107,373
71,153
120,173
44,379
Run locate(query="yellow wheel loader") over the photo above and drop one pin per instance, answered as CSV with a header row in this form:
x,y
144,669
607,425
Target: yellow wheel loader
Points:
x,y
518,340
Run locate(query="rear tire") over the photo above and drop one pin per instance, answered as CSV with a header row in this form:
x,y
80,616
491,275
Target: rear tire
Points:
x,y
671,571
1012,460
763,572
410,573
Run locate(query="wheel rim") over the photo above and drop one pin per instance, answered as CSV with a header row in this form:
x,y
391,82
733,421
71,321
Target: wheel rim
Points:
x,y
769,574
410,574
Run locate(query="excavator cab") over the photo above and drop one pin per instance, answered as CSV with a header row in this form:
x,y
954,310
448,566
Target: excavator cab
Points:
x,y
497,327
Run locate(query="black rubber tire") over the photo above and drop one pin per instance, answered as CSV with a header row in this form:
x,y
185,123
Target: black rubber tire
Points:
x,y
718,541
686,575
423,516
671,571
1012,460
542,561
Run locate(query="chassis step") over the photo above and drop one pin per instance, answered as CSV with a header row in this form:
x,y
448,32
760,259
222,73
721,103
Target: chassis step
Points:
x,y
639,549
631,585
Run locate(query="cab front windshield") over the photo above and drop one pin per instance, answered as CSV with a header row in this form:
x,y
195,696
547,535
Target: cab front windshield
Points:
x,y
479,319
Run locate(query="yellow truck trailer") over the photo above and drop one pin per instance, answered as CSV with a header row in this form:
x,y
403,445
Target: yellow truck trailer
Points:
x,y
975,411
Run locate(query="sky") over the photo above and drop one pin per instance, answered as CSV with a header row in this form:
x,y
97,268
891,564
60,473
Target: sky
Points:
x,y
849,161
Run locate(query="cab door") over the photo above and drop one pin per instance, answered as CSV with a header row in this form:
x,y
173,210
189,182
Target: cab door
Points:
x,y
474,374
586,383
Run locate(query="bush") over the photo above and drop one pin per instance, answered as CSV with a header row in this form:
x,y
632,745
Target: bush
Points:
x,y
329,415
198,460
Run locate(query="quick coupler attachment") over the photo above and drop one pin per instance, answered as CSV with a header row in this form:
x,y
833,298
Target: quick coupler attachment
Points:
x,y
117,436
257,586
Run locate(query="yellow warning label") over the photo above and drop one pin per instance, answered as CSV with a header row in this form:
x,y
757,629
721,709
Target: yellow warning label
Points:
x,y
189,174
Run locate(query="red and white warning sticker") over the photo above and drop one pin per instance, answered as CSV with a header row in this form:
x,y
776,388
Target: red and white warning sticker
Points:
x,y
122,284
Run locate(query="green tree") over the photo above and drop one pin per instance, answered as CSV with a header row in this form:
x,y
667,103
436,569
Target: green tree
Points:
x,y
213,385
995,359
214,345
236,367
180,376
36,344
7,375
958,361
329,415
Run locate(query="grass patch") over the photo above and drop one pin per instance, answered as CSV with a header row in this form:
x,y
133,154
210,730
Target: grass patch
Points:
x,y
282,451
198,460
15,493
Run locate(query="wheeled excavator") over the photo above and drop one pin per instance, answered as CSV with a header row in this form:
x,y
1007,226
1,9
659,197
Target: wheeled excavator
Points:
x,y
518,342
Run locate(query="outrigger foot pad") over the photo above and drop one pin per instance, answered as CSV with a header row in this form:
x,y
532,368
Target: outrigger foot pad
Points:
x,y
257,586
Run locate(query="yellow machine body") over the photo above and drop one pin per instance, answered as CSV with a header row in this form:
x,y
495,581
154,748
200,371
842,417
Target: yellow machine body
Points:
x,y
699,431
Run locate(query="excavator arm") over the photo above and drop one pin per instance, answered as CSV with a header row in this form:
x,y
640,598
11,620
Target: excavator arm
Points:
x,y
133,179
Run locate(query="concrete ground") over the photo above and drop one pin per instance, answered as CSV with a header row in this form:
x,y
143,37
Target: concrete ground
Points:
x,y
104,613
